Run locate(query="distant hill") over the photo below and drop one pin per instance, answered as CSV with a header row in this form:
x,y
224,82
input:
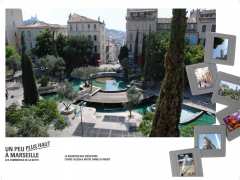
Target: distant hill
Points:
x,y
116,35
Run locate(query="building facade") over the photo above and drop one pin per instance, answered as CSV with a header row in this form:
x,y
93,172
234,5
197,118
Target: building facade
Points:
x,y
206,22
31,32
13,19
141,21
93,29
199,23
112,51
192,35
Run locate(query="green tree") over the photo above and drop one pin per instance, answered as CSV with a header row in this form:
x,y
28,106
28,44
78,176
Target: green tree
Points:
x,y
29,86
124,61
77,52
156,48
45,44
142,60
193,54
168,107
135,56
13,59
134,96
54,66
61,42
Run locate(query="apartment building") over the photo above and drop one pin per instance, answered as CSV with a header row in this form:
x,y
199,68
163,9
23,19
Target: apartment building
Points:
x,y
78,25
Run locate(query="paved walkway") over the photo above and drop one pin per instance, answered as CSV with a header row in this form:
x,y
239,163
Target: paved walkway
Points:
x,y
99,124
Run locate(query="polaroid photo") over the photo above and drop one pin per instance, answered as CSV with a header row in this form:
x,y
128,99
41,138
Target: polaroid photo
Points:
x,y
220,48
202,78
210,140
227,89
186,163
230,117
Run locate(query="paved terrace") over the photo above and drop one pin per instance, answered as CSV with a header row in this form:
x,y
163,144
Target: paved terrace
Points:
x,y
99,124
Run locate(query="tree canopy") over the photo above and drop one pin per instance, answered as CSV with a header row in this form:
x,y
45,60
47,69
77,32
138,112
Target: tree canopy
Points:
x,y
13,59
77,52
45,44
156,48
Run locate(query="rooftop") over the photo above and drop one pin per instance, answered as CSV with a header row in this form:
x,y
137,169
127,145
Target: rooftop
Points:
x,y
78,18
141,10
40,25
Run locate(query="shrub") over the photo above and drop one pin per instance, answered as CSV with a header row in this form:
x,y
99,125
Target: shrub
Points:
x,y
11,131
44,81
32,126
33,121
187,131
146,124
47,110
61,123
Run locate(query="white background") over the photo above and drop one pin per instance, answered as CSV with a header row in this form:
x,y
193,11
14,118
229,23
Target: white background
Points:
x,y
131,158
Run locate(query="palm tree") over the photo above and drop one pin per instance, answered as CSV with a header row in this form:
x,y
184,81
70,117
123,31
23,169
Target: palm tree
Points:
x,y
168,109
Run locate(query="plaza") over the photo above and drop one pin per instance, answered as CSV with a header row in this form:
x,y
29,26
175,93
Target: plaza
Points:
x,y
80,91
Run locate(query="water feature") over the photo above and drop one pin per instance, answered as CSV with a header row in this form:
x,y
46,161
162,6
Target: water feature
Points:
x,y
186,113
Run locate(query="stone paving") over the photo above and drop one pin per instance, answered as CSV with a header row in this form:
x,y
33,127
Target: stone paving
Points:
x,y
99,124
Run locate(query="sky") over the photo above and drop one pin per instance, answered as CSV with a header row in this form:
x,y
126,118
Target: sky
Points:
x,y
114,17
223,46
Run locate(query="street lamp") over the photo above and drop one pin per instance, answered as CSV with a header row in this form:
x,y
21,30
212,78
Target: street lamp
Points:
x,y
81,104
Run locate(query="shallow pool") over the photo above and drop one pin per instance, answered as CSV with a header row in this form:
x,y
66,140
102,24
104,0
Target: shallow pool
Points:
x,y
186,114
106,84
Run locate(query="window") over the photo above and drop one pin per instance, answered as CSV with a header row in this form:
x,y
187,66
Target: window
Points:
x,y
88,26
130,36
130,47
213,28
89,37
29,35
95,26
13,24
150,28
95,37
203,28
70,27
95,49
76,27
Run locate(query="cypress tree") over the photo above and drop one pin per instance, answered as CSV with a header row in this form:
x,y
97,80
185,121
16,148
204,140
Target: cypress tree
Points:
x,y
136,49
168,107
143,52
29,86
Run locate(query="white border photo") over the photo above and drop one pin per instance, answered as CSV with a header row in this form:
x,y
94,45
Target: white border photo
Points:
x,y
230,117
224,53
201,77
227,89
186,163
210,140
